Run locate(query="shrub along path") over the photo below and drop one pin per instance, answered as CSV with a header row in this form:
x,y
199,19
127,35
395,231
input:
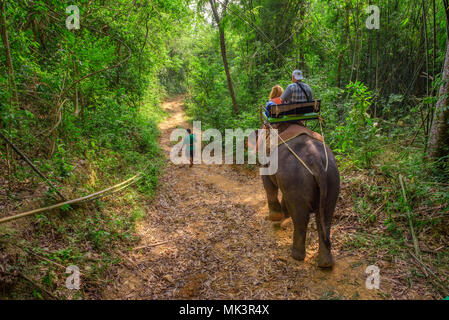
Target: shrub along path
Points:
x,y
205,237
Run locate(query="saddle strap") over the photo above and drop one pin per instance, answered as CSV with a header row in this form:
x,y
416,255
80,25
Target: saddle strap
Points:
x,y
292,151
317,137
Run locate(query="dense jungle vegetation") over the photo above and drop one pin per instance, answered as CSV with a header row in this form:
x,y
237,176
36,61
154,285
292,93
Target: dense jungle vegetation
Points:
x,y
83,105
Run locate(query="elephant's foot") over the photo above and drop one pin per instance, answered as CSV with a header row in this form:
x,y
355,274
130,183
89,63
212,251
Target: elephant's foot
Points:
x,y
286,222
325,260
298,254
275,216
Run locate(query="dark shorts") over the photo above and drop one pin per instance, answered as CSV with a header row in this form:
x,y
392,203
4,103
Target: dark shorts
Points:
x,y
191,153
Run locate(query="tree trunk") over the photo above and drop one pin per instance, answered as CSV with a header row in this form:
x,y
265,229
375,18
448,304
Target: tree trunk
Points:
x,y
439,133
340,61
446,10
12,87
223,54
9,65
343,50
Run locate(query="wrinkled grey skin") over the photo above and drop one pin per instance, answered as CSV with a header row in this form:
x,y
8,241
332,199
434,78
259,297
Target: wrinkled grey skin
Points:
x,y
304,194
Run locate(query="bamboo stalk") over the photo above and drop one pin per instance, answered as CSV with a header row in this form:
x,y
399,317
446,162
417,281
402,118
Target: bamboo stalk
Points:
x,y
24,157
426,268
412,230
115,191
88,197
151,245
38,286
29,251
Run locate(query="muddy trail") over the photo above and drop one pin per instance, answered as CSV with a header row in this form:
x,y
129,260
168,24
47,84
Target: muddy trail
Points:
x,y
205,237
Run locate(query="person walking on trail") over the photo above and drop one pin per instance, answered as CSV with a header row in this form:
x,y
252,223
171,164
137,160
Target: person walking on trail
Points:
x,y
298,91
189,141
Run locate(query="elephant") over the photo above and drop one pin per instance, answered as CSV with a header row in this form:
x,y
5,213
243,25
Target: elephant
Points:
x,y
304,193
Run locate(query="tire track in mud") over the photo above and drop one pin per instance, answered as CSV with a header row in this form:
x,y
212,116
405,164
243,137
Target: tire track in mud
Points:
x,y
216,243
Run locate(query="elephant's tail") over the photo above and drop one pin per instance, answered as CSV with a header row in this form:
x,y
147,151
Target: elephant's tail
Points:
x,y
323,202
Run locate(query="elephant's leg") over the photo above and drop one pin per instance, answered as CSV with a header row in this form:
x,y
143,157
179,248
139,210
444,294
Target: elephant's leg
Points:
x,y
273,202
287,218
300,218
284,208
325,258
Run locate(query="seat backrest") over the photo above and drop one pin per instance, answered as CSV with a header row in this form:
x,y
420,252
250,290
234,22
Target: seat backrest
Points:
x,y
295,108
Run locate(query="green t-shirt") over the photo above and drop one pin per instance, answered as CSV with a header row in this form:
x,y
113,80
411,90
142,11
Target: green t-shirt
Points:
x,y
190,141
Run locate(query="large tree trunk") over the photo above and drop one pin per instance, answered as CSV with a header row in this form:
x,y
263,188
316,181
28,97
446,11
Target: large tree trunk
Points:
x,y
439,133
223,55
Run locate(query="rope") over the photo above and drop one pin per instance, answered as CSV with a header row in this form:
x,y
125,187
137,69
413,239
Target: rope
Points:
x,y
295,136
291,150
296,155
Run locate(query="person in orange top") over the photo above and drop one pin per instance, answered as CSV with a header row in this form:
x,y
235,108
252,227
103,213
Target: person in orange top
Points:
x,y
276,93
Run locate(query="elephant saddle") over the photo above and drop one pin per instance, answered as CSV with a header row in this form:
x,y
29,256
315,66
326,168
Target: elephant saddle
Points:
x,y
287,132
291,131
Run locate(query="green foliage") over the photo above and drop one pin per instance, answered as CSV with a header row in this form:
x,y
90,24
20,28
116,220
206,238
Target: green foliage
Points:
x,y
356,134
373,90
125,57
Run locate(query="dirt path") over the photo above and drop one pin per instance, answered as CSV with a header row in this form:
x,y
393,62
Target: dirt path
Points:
x,y
216,243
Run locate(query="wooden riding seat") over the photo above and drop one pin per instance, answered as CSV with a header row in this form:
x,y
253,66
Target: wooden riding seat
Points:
x,y
293,111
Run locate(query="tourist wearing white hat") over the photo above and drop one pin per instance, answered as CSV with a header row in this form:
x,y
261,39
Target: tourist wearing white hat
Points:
x,y
297,91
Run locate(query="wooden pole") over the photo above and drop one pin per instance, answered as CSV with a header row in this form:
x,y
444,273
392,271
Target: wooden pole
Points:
x,y
88,197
